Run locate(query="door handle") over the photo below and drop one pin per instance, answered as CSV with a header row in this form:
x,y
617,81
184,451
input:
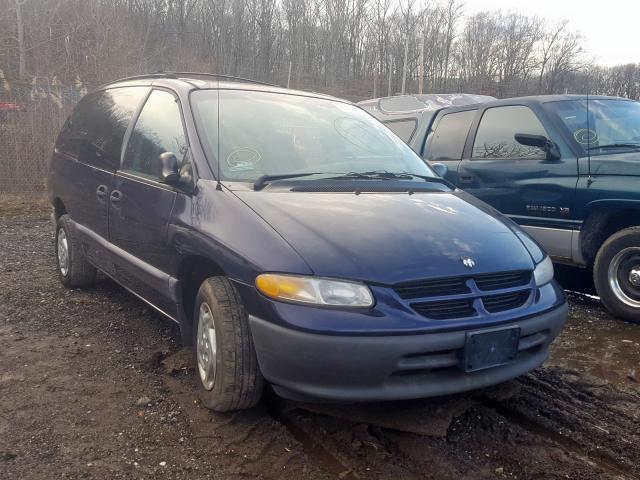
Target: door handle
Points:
x,y
115,198
465,178
101,192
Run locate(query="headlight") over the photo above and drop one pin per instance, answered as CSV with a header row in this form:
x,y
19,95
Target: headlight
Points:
x,y
543,272
313,290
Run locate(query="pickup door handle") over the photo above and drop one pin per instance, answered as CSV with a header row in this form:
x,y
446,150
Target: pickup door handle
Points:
x,y
115,198
101,193
465,178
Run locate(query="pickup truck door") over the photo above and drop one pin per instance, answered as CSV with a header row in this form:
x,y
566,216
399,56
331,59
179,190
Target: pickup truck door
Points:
x,y
446,140
518,180
141,206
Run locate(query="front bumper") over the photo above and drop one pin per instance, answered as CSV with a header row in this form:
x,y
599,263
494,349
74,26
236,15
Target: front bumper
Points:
x,y
314,367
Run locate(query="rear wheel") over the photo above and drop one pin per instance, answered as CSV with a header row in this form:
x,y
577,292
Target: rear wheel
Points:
x,y
616,274
73,267
228,375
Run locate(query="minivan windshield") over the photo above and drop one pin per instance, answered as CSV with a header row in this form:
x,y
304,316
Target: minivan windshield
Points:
x,y
609,125
266,133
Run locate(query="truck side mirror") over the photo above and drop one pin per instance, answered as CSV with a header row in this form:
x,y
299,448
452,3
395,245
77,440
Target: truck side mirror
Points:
x,y
170,173
440,168
539,141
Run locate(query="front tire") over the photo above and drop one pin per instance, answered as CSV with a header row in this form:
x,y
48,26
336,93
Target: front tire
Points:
x,y
227,373
73,267
616,274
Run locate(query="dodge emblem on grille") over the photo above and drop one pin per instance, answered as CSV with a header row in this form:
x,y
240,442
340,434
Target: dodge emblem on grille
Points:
x,y
468,262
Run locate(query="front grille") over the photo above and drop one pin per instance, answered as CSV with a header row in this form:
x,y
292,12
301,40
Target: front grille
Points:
x,y
432,288
498,281
505,301
445,309
487,287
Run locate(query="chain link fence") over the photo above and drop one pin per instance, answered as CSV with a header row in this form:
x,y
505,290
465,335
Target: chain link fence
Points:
x,y
31,115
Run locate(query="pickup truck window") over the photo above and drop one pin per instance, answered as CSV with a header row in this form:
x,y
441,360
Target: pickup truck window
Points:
x,y
449,136
402,128
495,137
613,126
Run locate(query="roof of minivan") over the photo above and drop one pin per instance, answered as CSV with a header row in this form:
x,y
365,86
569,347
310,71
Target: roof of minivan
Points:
x,y
188,81
402,104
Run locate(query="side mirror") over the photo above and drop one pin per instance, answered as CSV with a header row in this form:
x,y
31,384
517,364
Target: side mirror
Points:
x,y
440,168
540,141
170,173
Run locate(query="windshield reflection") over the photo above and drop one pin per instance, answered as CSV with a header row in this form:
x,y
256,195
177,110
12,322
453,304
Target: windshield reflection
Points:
x,y
266,133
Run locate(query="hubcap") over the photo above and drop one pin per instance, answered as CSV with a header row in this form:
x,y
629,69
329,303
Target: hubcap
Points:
x,y
63,252
624,276
206,347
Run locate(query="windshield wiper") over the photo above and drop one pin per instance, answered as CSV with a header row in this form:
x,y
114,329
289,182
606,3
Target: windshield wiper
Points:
x,y
262,181
635,146
370,176
378,175
385,175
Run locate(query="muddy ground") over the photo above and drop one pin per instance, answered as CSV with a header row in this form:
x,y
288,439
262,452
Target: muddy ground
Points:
x,y
93,384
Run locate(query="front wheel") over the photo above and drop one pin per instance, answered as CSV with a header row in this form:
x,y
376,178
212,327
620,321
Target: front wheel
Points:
x,y
616,274
228,375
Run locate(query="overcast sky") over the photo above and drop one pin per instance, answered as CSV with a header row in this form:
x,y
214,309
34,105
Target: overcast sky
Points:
x,y
611,28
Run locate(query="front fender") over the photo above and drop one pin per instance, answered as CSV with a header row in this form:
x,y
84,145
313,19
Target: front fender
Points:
x,y
217,225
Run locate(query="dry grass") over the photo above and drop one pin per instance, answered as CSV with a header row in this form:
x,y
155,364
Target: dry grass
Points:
x,y
19,206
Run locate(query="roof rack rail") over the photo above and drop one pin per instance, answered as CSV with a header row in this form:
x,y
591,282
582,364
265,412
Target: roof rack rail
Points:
x,y
177,75
218,75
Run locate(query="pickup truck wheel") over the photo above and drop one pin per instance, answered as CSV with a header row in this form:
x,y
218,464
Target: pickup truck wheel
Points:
x,y
73,267
228,376
616,274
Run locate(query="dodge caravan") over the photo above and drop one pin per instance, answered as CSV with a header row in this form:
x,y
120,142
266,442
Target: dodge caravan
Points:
x,y
297,241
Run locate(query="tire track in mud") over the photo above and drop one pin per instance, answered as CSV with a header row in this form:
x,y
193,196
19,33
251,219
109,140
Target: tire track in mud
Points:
x,y
254,444
593,421
551,428
544,425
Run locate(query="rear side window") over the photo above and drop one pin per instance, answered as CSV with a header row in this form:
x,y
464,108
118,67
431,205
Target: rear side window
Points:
x,y
158,129
495,137
402,128
95,131
450,135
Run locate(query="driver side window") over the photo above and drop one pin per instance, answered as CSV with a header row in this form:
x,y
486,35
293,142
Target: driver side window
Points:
x,y
158,129
499,125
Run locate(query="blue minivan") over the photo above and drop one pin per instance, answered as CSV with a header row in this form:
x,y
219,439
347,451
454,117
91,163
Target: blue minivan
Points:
x,y
297,241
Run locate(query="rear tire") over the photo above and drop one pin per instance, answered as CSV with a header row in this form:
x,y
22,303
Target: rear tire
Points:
x,y
73,268
616,274
227,371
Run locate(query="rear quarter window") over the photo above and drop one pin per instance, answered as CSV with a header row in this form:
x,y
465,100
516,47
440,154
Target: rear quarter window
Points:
x,y
95,131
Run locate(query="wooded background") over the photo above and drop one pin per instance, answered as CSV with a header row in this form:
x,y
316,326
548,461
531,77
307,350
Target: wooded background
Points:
x,y
53,51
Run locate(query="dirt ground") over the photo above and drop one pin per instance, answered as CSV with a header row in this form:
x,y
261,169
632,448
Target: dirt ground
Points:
x,y
93,384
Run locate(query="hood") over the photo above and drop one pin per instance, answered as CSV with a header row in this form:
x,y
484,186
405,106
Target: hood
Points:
x,y
389,238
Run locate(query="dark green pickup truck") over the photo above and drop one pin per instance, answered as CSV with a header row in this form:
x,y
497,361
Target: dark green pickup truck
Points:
x,y
566,168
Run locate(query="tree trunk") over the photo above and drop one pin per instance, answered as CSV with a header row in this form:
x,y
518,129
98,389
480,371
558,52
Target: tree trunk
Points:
x,y
22,51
